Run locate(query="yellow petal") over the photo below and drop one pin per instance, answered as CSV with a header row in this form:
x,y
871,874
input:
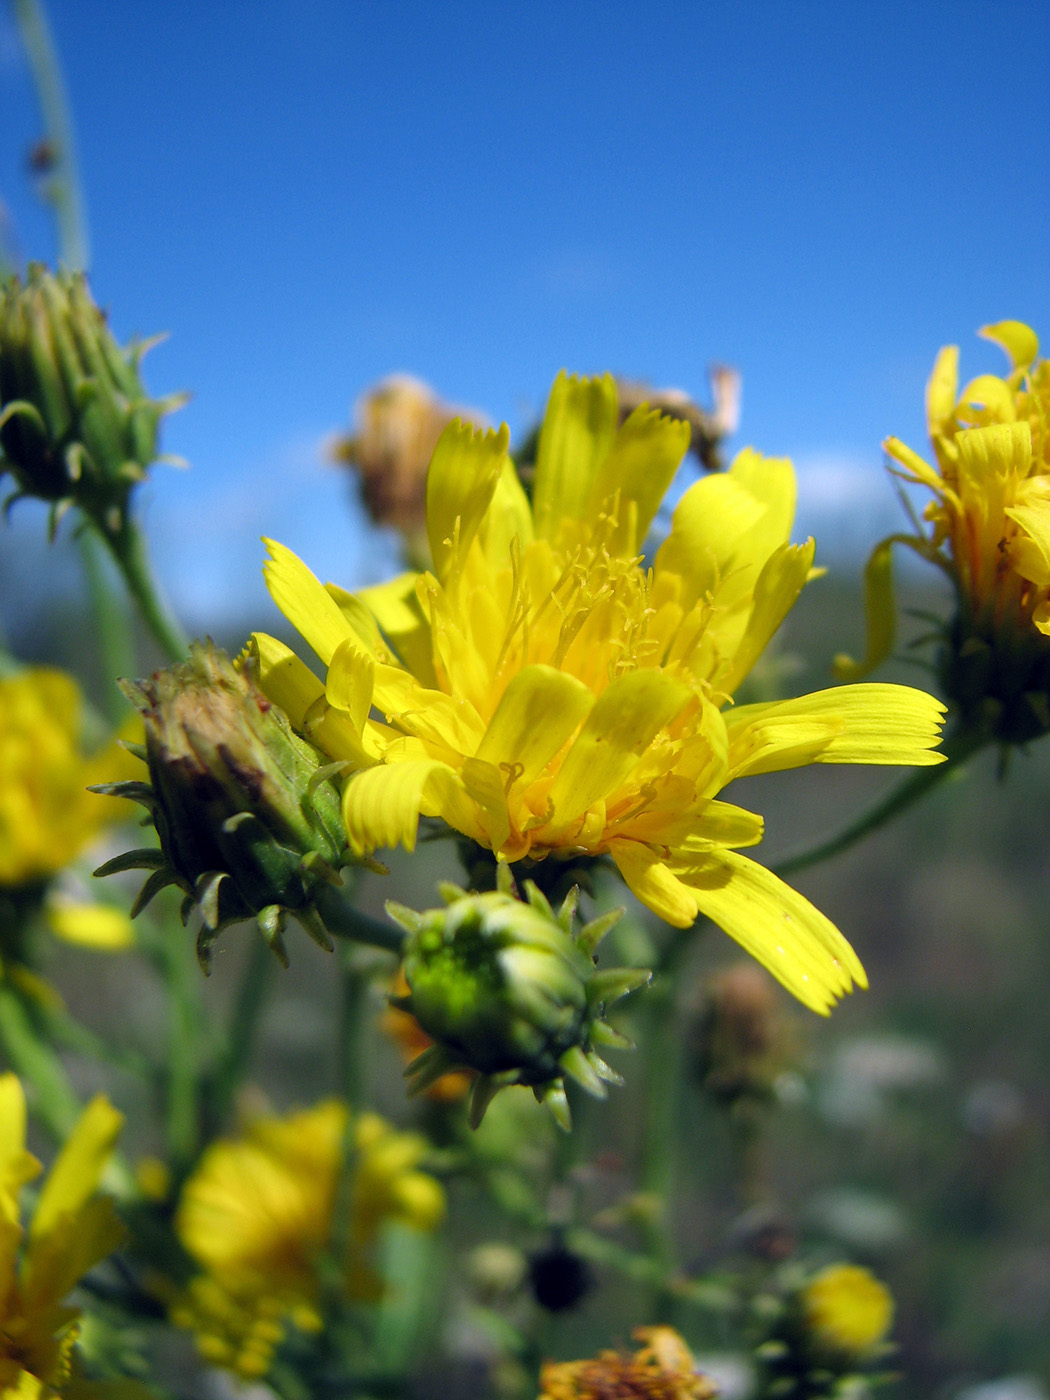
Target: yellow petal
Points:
x,y
290,683
879,614
913,464
577,433
382,806
784,932
645,454
782,579
431,715
486,785
305,602
942,389
647,876
17,1166
538,712
509,517
625,719
1018,340
866,723
1030,553
464,470
726,526
97,926
396,607
986,399
284,679
78,1168
350,682
58,1258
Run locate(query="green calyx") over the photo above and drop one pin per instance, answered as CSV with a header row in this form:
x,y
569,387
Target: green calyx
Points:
x,y
507,988
76,425
247,813
998,677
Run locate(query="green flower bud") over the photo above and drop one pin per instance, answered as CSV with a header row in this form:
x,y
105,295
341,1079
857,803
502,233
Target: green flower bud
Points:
x,y
506,988
76,424
247,814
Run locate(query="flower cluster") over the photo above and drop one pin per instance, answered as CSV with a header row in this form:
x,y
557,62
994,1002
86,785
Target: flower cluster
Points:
x,y
989,532
261,1216
661,1369
549,697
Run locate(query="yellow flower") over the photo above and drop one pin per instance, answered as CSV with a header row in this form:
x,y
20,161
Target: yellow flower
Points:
x,y
989,531
47,816
661,1369
259,1213
846,1310
71,1229
545,694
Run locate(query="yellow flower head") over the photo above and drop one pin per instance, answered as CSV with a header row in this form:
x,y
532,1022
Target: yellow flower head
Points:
x,y
989,531
547,695
846,1311
661,1369
47,816
259,1213
71,1229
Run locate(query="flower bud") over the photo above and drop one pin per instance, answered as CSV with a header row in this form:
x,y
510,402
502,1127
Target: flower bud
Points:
x,y
508,989
248,817
76,424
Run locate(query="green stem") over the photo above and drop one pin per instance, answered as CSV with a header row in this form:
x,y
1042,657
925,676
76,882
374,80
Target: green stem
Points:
x,y
128,546
355,982
52,1097
228,1074
342,920
173,959
64,187
663,1072
957,750
116,647
36,1063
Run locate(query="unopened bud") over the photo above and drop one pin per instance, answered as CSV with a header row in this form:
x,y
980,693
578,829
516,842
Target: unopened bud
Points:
x,y
76,425
508,989
247,814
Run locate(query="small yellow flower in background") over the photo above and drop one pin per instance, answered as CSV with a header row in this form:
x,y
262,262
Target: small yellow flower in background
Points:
x,y
548,696
846,1311
259,1214
71,1230
47,816
661,1369
989,532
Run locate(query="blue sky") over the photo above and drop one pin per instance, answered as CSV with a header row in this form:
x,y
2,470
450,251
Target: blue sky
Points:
x,y
309,196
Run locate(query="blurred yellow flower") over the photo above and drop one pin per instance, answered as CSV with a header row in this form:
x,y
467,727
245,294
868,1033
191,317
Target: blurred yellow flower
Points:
x,y
661,1369
846,1310
260,1213
545,694
71,1229
989,532
47,816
